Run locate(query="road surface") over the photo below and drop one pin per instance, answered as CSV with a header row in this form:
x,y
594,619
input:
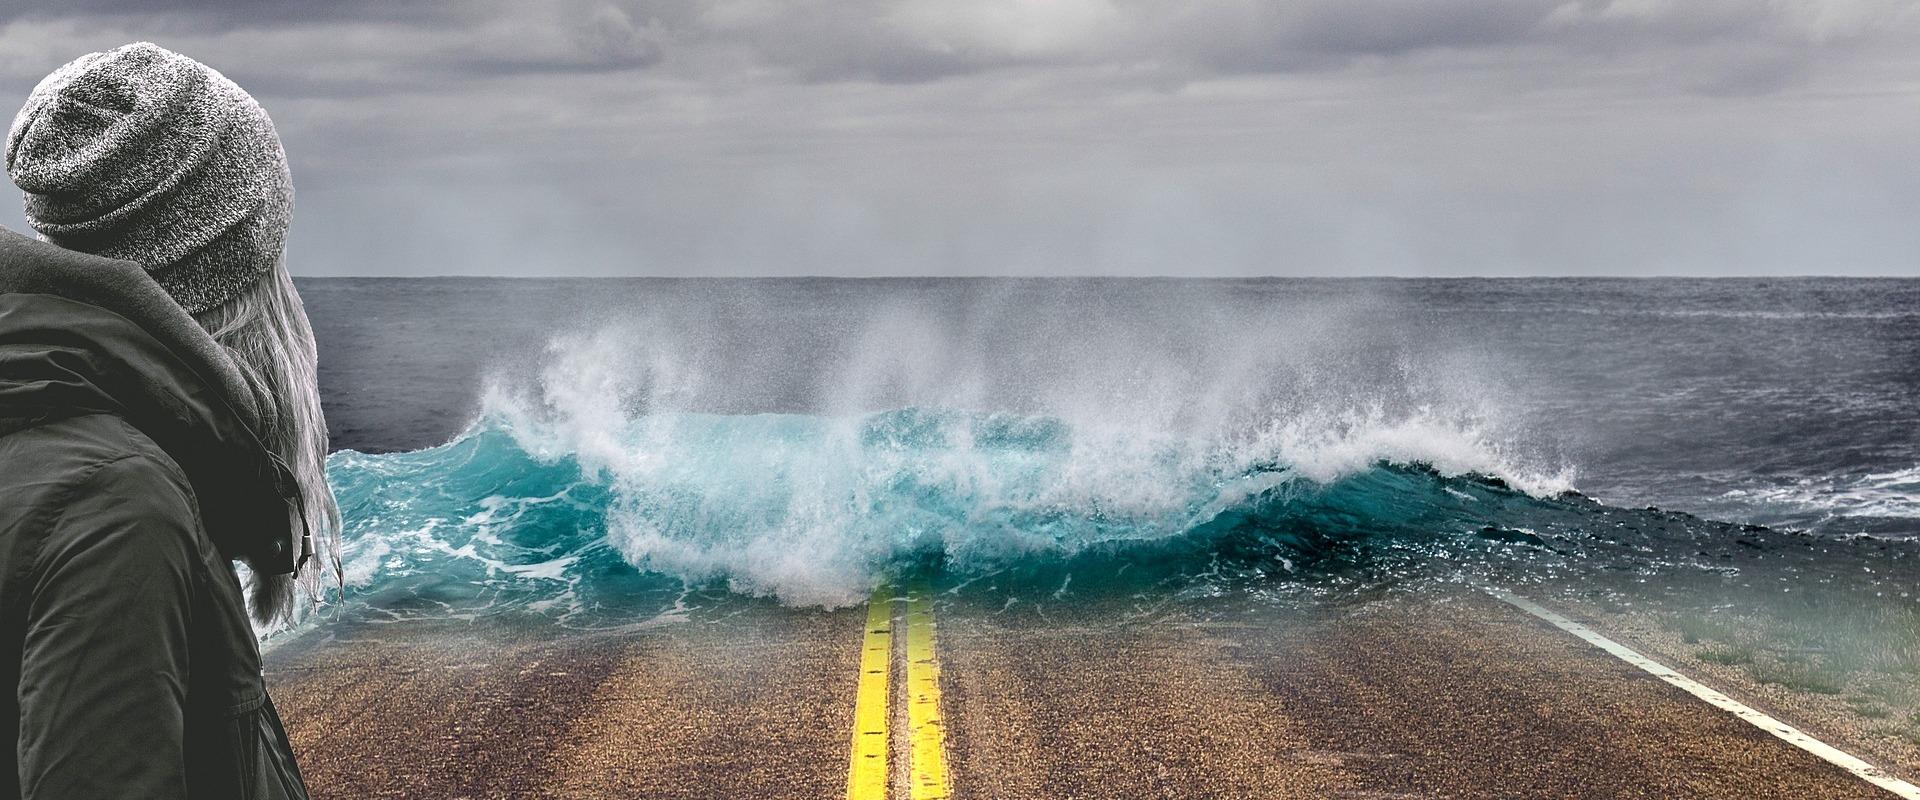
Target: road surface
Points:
x,y
1449,695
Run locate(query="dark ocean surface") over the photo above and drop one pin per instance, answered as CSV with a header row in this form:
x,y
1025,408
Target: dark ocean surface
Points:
x,y
581,441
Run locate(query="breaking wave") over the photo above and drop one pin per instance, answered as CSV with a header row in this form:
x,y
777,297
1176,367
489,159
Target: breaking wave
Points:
x,y
816,511
590,484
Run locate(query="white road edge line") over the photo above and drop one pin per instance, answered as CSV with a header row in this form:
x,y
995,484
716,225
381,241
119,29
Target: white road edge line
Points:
x,y
1788,733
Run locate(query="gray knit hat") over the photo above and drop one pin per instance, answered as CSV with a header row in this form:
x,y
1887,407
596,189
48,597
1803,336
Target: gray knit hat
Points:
x,y
145,155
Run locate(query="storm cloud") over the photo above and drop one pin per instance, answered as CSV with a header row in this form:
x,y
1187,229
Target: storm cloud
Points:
x,y
1216,137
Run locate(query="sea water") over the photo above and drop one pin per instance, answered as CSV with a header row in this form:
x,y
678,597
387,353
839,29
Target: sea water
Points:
x,y
591,451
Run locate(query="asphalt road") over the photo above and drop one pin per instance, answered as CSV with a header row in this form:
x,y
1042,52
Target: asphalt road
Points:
x,y
1454,696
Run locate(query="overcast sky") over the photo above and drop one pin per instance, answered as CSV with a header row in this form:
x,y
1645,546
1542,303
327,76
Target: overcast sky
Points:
x,y
986,137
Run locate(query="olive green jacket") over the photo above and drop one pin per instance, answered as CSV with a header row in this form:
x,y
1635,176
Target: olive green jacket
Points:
x,y
129,480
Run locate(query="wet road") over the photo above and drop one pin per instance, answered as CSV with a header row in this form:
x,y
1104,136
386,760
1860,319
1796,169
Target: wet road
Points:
x,y
1449,696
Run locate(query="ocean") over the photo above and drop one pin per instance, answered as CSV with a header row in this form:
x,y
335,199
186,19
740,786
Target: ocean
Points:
x,y
600,451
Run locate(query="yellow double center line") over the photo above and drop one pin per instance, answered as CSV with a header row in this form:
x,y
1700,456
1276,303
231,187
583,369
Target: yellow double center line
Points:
x,y
928,779
867,773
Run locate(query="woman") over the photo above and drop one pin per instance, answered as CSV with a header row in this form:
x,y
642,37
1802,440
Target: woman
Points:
x,y
159,419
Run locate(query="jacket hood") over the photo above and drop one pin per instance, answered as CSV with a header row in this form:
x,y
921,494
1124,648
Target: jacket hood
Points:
x,y
81,335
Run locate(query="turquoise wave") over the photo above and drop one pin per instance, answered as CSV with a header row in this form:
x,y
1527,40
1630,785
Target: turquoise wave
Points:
x,y
603,524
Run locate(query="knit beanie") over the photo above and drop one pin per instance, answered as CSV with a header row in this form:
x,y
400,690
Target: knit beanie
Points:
x,y
144,155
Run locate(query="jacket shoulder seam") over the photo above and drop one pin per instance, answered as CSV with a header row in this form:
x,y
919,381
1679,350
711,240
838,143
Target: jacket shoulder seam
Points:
x,y
60,502
82,477
86,475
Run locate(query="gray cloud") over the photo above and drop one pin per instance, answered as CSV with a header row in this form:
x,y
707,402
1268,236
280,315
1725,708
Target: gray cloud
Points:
x,y
1076,136
919,40
231,14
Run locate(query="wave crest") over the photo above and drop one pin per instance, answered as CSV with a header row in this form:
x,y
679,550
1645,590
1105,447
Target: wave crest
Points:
x,y
601,477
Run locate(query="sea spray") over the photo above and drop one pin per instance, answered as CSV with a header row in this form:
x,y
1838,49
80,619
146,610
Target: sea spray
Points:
x,y
815,511
600,468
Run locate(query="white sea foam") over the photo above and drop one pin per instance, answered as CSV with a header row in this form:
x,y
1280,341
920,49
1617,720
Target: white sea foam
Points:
x,y
1889,495
918,442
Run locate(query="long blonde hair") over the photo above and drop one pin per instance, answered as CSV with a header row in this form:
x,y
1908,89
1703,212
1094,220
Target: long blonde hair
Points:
x,y
266,331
